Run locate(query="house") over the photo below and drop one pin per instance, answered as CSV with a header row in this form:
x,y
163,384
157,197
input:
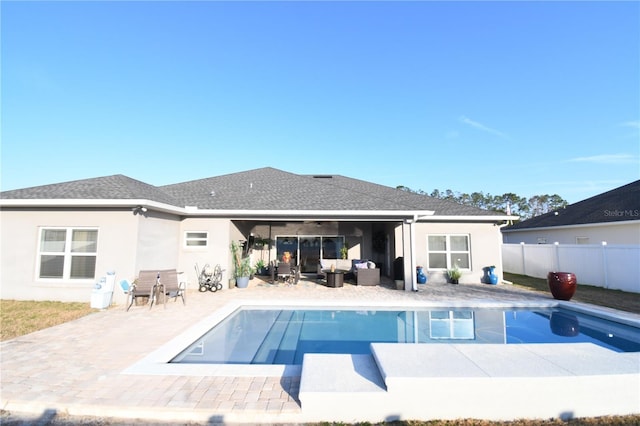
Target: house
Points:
x,y
613,216
58,240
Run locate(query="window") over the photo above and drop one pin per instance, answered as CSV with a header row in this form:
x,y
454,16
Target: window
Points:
x,y
451,325
67,253
196,239
309,249
332,246
447,251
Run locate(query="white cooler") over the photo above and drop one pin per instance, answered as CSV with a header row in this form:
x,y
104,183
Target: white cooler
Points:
x,y
103,291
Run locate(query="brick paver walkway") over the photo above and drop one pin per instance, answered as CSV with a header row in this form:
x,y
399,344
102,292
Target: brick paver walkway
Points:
x,y
76,368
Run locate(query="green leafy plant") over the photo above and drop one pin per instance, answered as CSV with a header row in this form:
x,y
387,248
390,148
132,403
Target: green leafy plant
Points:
x,y
260,243
344,251
260,264
242,265
455,273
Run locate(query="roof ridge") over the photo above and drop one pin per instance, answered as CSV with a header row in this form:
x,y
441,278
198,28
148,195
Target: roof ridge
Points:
x,y
337,184
226,175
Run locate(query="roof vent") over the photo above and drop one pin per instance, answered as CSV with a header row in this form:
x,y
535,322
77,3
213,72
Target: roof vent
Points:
x,y
212,193
322,176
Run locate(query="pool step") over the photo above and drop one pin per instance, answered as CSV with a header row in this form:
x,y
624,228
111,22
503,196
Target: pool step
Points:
x,y
266,352
482,381
286,353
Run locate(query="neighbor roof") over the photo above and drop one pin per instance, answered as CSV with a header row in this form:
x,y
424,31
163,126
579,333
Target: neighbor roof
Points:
x,y
620,204
260,190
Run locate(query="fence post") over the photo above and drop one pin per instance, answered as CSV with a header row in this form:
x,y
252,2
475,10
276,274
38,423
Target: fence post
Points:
x,y
604,264
524,272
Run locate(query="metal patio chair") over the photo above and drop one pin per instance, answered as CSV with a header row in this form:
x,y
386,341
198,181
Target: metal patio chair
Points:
x,y
146,285
171,285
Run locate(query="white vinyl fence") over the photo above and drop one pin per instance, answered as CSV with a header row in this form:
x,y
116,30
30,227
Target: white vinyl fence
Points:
x,y
614,266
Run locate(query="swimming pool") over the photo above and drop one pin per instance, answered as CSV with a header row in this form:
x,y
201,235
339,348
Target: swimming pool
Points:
x,y
282,336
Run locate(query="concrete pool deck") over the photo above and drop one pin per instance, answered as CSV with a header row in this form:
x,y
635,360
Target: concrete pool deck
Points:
x,y
79,368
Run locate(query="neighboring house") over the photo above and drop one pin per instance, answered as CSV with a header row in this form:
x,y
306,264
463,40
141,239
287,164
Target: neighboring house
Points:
x,y
613,216
58,240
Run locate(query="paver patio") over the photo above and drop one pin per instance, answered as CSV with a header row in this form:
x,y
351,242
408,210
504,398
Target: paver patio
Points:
x,y
76,368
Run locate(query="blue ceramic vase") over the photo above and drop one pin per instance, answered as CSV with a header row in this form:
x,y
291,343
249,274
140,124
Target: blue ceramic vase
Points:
x,y
493,278
421,277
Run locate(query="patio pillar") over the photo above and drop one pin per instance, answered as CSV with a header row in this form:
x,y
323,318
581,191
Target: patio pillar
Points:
x,y
408,246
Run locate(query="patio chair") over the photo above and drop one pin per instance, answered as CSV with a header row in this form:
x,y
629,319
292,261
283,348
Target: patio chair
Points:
x,y
172,286
287,273
145,285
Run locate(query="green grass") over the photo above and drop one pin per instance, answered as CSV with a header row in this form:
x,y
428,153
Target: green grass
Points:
x,y
616,299
19,317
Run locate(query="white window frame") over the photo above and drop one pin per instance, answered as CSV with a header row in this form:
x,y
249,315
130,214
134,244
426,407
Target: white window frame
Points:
x,y
187,239
68,254
448,252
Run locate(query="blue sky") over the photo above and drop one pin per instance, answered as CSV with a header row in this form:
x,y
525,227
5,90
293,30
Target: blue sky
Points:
x,y
524,97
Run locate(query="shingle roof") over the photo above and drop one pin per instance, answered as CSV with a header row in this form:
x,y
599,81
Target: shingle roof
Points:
x,y
273,189
260,189
619,204
107,188
411,200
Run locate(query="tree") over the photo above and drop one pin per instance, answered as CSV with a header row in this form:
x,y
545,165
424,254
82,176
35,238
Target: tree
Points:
x,y
506,203
511,203
541,204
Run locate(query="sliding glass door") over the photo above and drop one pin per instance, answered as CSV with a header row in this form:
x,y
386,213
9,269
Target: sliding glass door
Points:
x,y
306,251
309,254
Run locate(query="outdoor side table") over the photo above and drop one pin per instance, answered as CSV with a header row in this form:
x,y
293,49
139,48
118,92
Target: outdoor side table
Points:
x,y
335,278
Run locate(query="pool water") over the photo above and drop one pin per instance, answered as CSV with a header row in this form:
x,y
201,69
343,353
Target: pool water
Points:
x,y
283,336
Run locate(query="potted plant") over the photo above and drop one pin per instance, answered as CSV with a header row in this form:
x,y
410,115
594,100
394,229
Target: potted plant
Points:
x,y
261,267
344,251
242,266
260,243
454,274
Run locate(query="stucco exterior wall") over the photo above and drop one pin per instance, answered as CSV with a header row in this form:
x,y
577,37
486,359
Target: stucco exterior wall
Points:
x,y
216,252
19,251
612,233
158,241
128,243
484,240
